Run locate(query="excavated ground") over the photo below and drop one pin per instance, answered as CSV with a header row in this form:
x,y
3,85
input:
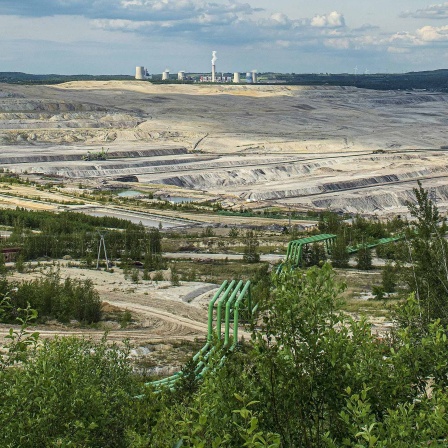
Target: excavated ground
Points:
x,y
344,149
159,310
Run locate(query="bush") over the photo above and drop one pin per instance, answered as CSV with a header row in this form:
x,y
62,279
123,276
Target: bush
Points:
x,y
72,393
56,299
251,254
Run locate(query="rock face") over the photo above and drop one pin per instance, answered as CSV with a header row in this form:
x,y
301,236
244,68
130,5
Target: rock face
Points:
x,y
320,147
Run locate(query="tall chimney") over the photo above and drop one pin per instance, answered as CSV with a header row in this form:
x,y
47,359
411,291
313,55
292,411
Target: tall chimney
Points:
x,y
214,59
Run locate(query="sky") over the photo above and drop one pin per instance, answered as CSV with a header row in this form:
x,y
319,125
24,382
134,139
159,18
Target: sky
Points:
x,y
291,36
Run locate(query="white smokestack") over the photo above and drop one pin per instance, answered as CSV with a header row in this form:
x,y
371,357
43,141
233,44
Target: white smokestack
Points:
x,y
214,59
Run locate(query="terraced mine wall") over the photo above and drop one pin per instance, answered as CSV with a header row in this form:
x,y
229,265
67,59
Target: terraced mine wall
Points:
x,y
43,158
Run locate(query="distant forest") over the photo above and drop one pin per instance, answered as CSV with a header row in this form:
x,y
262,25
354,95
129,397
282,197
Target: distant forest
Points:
x,y
436,80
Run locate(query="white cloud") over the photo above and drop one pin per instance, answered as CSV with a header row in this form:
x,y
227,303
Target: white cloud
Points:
x,y
438,11
433,34
138,10
237,29
332,20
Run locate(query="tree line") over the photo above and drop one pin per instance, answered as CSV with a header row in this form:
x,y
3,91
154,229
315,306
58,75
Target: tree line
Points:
x,y
45,234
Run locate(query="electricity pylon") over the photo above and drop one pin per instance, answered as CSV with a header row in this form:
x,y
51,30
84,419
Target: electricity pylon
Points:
x,y
102,243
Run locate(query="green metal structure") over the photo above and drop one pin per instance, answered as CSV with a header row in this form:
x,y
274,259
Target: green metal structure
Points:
x,y
354,249
233,296
223,311
295,248
294,253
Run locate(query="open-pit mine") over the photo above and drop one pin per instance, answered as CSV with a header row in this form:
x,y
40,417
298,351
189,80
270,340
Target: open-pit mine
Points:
x,y
342,149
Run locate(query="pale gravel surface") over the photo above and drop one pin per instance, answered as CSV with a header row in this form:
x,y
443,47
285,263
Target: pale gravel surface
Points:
x,y
307,147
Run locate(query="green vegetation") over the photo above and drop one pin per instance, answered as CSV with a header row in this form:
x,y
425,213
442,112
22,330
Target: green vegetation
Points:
x,y
436,80
53,235
427,276
53,298
98,155
251,254
339,255
364,259
310,376
71,392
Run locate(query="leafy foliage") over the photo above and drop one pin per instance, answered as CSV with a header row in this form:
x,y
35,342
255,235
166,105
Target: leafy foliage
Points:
x,y
76,234
428,255
364,259
54,298
339,254
71,393
251,254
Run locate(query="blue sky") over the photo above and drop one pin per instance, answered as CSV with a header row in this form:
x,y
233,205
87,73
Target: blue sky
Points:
x,y
113,36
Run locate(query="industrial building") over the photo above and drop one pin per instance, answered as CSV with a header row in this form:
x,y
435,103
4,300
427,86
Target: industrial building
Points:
x,y
140,72
166,75
250,78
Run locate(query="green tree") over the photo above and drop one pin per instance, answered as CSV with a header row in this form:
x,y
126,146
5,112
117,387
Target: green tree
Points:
x,y
364,259
389,277
330,222
251,254
339,255
314,255
175,279
19,263
428,256
3,268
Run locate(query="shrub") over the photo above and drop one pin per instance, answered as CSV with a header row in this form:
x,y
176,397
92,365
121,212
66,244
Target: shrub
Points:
x,y
71,393
56,299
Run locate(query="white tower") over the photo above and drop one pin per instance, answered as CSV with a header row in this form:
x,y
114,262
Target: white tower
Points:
x,y
254,77
214,59
166,75
140,72
236,78
181,76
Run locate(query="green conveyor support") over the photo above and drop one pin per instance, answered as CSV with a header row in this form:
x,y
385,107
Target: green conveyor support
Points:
x,y
294,252
245,290
295,248
234,293
221,302
212,304
227,295
227,313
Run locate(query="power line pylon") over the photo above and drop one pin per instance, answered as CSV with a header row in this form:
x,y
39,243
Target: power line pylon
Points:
x,y
102,243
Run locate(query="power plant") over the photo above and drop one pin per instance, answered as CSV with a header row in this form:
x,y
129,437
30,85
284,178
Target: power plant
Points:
x,y
141,73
